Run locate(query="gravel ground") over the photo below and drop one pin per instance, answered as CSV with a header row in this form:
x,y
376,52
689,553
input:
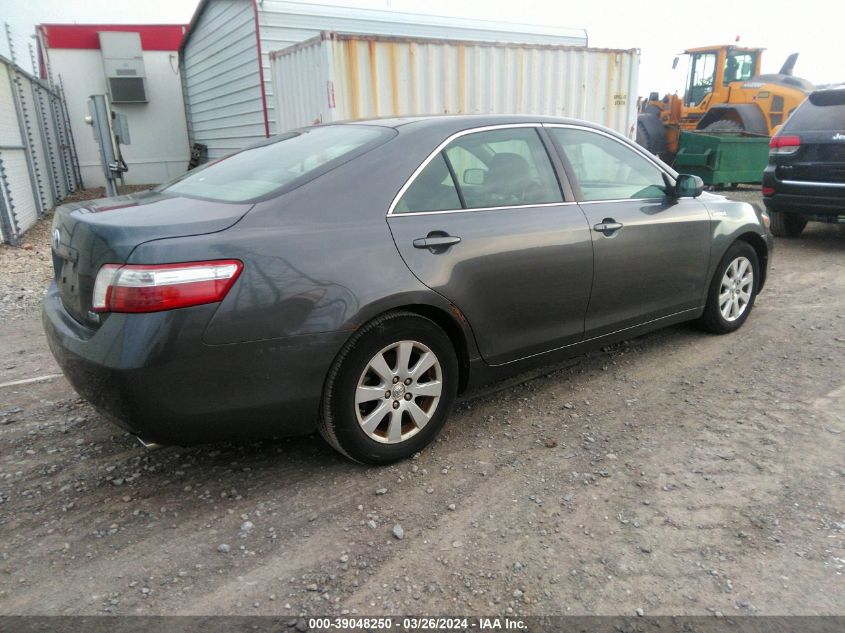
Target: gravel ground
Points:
x,y
676,473
25,272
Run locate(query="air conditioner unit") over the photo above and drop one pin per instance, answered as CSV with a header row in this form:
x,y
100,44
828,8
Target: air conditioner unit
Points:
x,y
123,60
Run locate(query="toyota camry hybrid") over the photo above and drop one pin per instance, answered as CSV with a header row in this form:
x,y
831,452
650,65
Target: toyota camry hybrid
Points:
x,y
358,277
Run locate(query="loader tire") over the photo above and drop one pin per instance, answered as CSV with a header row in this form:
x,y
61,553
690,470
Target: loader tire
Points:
x,y
724,125
643,139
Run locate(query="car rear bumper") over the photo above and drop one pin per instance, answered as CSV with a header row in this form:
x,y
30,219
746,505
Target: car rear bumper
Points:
x,y
152,375
806,204
805,198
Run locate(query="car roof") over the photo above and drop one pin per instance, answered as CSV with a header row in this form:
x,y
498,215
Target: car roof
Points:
x,y
448,124
465,121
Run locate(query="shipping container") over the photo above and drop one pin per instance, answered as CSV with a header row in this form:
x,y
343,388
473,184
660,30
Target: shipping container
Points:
x,y
335,77
225,56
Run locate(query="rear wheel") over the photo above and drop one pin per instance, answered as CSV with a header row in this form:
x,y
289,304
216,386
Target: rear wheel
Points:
x,y
787,224
732,291
390,390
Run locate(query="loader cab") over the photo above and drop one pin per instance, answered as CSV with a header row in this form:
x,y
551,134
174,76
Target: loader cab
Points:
x,y
711,71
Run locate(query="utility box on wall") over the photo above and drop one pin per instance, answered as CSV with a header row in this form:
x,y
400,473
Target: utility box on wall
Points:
x,y
123,60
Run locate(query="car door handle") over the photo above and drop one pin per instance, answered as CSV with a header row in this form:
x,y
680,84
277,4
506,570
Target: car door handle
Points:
x,y
436,241
608,226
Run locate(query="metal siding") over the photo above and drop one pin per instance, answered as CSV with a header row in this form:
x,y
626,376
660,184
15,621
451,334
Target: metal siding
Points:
x,y
221,78
283,24
25,207
19,194
60,157
10,137
34,147
52,143
28,123
45,190
10,133
399,76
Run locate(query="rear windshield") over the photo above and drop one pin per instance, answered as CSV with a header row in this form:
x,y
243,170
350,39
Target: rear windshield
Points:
x,y
821,112
258,171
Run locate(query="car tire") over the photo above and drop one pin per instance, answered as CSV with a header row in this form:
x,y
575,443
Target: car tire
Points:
x,y
787,224
731,295
385,355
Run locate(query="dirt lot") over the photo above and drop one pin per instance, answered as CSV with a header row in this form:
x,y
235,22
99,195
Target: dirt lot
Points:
x,y
678,473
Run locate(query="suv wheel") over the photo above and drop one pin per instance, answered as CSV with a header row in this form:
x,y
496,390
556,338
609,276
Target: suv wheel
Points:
x,y
787,224
390,390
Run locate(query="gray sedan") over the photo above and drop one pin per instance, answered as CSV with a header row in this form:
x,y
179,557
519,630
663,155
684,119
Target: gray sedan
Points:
x,y
359,277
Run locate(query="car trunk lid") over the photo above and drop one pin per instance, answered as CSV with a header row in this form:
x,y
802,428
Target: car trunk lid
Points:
x,y
86,235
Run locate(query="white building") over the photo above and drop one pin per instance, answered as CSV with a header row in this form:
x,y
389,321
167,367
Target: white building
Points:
x,y
138,66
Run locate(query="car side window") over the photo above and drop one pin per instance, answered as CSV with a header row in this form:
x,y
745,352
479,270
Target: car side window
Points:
x,y
608,170
432,190
506,167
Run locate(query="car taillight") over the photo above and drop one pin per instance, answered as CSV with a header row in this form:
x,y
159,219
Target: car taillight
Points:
x,y
782,145
152,288
768,191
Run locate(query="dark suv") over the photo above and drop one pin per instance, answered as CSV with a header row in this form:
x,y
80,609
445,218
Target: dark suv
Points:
x,y
805,178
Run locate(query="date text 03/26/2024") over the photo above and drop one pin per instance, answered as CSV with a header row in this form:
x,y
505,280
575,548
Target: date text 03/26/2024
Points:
x,y
415,624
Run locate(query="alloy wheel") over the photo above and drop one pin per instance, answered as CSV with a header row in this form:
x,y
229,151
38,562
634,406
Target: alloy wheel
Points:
x,y
735,291
398,392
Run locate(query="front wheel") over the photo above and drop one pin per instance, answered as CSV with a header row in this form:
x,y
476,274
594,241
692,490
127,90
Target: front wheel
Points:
x,y
390,390
732,291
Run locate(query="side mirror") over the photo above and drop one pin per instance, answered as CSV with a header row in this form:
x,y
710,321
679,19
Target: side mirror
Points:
x,y
687,186
474,176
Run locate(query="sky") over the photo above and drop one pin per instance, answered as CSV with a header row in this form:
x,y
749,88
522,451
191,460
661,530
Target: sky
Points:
x,y
812,28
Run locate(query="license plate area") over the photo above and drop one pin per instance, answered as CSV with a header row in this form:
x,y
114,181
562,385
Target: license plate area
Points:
x,y
67,281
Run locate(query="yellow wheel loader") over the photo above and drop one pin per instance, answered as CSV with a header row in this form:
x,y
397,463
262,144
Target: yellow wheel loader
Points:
x,y
725,94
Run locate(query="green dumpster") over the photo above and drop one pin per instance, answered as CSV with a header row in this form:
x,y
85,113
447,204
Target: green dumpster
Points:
x,y
723,158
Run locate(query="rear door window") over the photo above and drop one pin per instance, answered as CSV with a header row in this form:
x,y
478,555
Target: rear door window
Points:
x,y
496,168
432,190
507,167
608,170
261,170
827,114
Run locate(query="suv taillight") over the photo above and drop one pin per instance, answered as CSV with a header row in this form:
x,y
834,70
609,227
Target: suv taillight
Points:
x,y
143,288
783,145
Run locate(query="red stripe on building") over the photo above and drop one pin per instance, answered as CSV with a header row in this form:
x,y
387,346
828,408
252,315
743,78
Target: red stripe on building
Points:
x,y
154,37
